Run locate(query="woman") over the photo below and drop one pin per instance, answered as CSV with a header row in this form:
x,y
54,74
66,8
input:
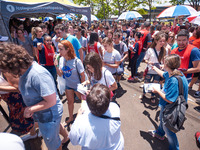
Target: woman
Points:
x,y
110,34
24,41
195,38
135,52
97,73
154,57
16,107
97,125
94,45
37,39
111,57
38,91
46,56
169,94
73,71
171,38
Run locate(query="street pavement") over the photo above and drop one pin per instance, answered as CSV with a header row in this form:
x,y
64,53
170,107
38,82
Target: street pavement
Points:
x,y
137,117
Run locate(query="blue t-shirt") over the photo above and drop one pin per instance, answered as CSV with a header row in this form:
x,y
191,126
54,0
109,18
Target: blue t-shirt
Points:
x,y
75,42
37,40
171,89
35,84
194,56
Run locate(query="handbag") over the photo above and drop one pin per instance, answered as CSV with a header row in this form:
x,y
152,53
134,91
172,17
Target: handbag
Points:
x,y
120,69
174,113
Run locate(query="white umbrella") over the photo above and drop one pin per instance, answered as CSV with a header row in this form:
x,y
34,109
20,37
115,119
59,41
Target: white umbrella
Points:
x,y
93,18
129,15
179,10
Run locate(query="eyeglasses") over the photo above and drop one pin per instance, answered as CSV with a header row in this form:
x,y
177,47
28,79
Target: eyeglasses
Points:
x,y
171,36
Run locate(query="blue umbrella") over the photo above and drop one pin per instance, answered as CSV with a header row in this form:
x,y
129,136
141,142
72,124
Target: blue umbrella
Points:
x,y
129,15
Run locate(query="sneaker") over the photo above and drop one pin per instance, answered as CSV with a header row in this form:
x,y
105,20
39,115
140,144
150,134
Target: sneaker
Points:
x,y
197,94
197,135
28,137
131,79
154,134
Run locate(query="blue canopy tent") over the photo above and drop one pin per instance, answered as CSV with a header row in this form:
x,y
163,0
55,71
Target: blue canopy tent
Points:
x,y
37,8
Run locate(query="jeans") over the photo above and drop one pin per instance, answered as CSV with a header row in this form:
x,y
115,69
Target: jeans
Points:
x,y
133,65
139,60
171,136
52,70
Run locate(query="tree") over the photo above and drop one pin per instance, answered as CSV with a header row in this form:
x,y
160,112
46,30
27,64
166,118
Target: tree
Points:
x,y
177,2
124,5
194,3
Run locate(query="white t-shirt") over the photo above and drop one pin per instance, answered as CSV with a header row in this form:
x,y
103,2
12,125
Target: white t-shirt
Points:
x,y
151,57
107,78
111,58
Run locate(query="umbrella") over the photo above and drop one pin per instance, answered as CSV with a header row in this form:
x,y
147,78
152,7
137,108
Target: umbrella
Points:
x,y
129,15
175,11
194,19
93,18
64,17
48,18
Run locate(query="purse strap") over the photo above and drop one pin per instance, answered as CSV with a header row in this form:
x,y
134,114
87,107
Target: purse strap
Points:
x,y
77,69
156,55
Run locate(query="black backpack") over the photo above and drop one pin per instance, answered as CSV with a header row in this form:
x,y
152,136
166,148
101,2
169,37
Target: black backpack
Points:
x,y
174,113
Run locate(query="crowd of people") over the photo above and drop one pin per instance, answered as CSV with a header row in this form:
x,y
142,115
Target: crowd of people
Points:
x,y
45,54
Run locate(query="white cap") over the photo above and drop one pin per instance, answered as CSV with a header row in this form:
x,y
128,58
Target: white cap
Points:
x,y
3,38
11,142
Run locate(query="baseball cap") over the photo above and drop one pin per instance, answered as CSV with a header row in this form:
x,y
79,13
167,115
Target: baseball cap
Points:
x,y
3,38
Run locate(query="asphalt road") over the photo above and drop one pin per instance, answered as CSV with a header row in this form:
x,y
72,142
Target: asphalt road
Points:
x,y
137,117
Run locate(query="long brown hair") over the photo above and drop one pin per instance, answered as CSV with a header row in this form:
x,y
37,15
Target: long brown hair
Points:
x,y
93,59
157,37
67,45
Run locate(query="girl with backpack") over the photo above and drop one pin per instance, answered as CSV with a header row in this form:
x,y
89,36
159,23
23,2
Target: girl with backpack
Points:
x,y
168,95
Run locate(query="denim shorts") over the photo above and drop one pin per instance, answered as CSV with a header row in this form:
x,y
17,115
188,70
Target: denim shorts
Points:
x,y
50,133
68,88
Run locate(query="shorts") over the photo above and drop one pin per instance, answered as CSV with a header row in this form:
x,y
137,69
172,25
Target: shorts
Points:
x,y
50,133
68,88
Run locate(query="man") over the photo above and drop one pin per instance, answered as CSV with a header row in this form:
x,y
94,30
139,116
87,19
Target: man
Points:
x,y
146,42
81,39
125,33
123,50
56,38
190,55
72,39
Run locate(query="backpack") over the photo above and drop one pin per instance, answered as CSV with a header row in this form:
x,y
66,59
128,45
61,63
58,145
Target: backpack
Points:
x,y
174,113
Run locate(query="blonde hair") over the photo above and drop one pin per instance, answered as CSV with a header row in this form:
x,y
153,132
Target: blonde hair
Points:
x,y
34,30
173,62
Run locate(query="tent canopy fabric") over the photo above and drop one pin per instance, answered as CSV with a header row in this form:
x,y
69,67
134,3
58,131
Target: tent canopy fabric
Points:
x,y
37,8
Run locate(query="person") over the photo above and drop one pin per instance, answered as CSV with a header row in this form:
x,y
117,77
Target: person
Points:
x,y
171,39
38,91
11,141
190,55
111,57
168,95
46,56
195,38
175,28
72,39
121,47
197,137
94,45
16,107
90,130
24,41
146,42
37,39
81,39
154,56
73,71
135,52
97,73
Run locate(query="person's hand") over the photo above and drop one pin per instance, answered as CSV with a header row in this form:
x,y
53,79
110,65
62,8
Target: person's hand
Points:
x,y
154,68
104,64
57,39
55,62
27,112
155,90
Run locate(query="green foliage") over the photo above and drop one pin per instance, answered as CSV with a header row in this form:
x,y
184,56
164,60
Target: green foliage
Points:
x,y
142,11
177,2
